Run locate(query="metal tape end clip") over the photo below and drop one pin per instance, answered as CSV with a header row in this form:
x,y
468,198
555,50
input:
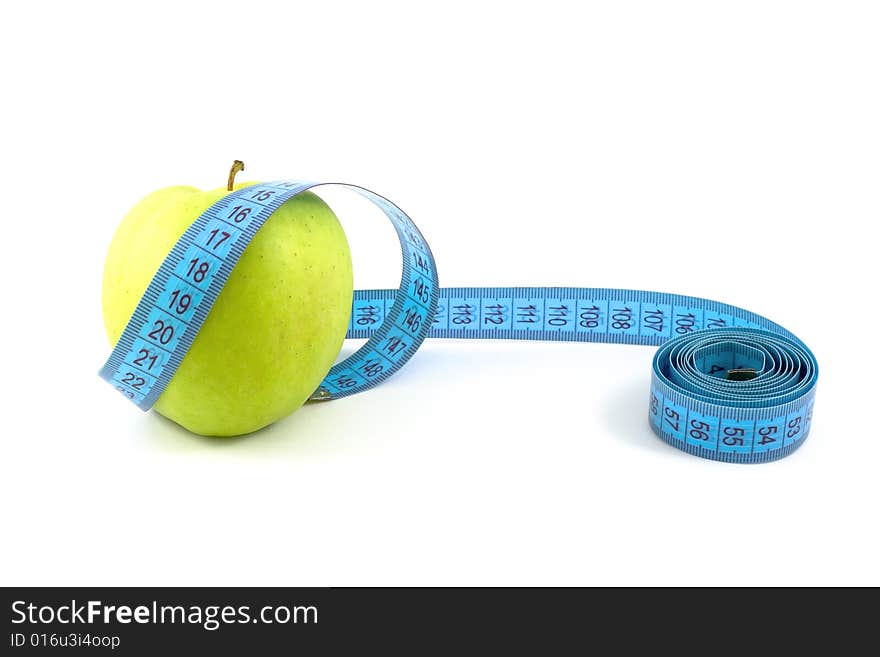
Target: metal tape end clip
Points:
x,y
744,374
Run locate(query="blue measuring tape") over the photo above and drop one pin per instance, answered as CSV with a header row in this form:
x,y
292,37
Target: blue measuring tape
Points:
x,y
727,384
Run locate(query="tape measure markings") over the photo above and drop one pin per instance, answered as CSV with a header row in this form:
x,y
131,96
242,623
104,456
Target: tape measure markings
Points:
x,y
764,415
580,314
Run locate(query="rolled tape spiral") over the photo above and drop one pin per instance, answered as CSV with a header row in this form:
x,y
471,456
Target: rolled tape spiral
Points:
x,y
726,384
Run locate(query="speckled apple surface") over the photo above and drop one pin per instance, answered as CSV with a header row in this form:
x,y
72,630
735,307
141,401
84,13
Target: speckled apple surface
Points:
x,y
276,327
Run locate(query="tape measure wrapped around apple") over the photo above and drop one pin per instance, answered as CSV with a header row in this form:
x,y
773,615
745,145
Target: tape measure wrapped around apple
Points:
x,y
275,328
227,309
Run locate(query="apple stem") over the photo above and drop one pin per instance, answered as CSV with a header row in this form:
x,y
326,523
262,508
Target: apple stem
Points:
x,y
237,166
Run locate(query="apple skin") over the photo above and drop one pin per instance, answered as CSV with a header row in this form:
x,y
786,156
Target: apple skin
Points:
x,y
274,330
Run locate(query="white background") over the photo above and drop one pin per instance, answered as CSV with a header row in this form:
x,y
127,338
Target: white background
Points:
x,y
727,150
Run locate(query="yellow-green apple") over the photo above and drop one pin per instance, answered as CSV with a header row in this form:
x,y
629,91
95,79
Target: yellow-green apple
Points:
x,y
276,327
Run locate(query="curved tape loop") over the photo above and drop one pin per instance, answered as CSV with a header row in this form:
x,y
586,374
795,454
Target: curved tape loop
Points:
x,y
406,322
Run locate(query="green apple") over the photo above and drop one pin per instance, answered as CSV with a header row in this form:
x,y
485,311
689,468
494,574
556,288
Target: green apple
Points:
x,y
276,327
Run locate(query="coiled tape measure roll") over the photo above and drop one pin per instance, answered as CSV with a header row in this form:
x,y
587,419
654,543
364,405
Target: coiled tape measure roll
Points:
x,y
727,384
